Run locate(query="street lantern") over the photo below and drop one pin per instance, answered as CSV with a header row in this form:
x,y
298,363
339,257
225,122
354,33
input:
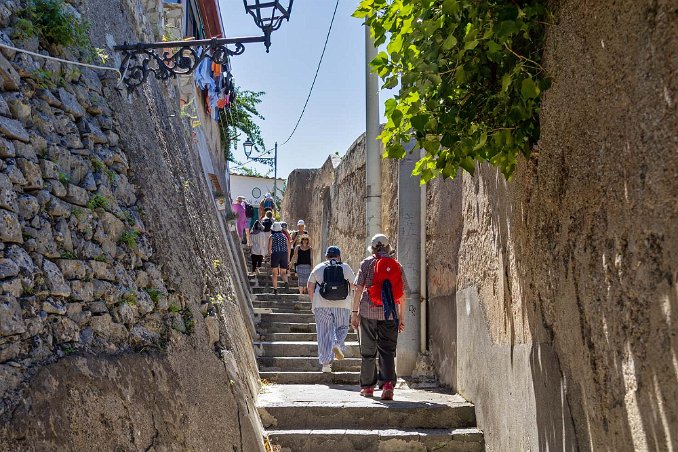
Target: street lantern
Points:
x,y
268,15
247,146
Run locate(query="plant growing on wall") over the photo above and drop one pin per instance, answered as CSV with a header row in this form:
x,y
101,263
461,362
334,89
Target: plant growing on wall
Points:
x,y
470,79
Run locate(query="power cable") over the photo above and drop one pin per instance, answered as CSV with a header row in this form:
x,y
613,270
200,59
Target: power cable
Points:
x,y
310,91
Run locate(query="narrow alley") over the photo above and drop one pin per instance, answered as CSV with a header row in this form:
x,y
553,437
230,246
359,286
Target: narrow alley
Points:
x,y
304,409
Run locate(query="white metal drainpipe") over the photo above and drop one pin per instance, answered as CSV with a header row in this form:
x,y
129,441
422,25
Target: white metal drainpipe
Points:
x,y
423,332
372,155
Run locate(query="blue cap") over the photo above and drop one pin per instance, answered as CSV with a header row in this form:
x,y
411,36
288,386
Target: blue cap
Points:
x,y
333,251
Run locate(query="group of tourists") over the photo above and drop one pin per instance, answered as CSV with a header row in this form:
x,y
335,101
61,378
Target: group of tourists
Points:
x,y
372,302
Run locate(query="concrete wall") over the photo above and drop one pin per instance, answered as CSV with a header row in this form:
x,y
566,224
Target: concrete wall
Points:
x,y
551,297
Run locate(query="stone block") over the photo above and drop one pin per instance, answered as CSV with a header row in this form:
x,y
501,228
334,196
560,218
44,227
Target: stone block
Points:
x,y
32,174
9,351
77,195
104,326
144,303
11,320
72,269
125,313
52,306
55,280
8,268
113,227
8,199
15,175
6,148
8,75
89,130
50,170
13,129
102,270
106,291
65,330
12,287
98,307
70,104
212,324
57,188
28,206
26,151
48,97
19,108
4,108
58,208
20,257
10,229
82,291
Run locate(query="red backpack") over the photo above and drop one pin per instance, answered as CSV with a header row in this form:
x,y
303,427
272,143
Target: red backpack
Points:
x,y
386,268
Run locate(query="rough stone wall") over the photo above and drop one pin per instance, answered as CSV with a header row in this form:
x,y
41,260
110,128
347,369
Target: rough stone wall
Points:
x,y
331,201
575,262
119,323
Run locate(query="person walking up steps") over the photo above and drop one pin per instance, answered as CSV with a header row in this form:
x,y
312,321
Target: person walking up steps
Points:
x,y
259,245
378,309
279,249
329,288
302,263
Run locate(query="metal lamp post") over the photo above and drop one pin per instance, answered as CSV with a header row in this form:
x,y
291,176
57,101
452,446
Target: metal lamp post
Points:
x,y
248,146
141,59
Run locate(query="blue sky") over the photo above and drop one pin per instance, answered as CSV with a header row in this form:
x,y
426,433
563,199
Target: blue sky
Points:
x,y
335,115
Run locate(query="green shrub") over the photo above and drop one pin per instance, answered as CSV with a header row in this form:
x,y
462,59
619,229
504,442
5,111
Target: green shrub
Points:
x,y
64,179
98,201
129,238
129,298
52,24
155,295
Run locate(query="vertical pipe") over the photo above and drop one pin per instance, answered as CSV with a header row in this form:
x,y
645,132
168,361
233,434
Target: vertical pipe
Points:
x,y
372,155
275,177
423,332
409,256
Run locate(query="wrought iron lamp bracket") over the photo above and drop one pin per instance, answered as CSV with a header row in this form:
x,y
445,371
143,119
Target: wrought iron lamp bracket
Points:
x,y
166,60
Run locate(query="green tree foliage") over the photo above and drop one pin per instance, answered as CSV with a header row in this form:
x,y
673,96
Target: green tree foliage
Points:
x,y
52,24
470,79
241,120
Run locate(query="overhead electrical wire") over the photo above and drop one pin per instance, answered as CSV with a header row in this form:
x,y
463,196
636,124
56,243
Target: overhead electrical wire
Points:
x,y
310,91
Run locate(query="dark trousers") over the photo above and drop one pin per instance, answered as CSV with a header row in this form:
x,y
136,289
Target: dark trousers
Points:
x,y
377,337
257,260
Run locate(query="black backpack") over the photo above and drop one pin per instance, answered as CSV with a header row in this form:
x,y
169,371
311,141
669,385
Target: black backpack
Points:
x,y
267,223
249,210
334,286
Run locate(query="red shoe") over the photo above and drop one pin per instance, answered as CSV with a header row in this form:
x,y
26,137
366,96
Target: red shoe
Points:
x,y
367,392
387,393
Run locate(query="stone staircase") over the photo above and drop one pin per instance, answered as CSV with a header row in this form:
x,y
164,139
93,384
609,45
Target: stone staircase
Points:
x,y
304,409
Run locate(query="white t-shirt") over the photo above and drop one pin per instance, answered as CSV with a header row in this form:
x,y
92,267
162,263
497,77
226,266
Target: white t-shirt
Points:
x,y
317,277
259,243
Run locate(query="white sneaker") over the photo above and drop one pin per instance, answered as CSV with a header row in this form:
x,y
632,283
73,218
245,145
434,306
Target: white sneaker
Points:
x,y
327,368
338,354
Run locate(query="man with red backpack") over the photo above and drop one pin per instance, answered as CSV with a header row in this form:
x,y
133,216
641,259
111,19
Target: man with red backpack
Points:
x,y
378,308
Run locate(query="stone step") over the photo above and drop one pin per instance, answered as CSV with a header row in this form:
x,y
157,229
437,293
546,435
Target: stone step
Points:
x,y
268,337
287,304
269,289
301,348
287,317
307,378
280,297
307,440
304,364
341,406
265,328
282,310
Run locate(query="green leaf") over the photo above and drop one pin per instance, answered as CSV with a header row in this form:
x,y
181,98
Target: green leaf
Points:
x,y
419,122
468,164
390,105
529,89
397,117
450,42
450,6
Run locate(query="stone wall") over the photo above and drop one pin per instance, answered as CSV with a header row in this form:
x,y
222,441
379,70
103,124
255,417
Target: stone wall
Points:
x,y
331,201
120,327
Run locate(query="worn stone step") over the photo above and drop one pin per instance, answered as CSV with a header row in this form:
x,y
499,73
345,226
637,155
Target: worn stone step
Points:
x,y
269,289
268,337
306,378
288,304
304,364
280,297
301,348
307,440
265,328
287,317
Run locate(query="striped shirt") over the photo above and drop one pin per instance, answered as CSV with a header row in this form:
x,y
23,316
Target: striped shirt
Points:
x,y
369,310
